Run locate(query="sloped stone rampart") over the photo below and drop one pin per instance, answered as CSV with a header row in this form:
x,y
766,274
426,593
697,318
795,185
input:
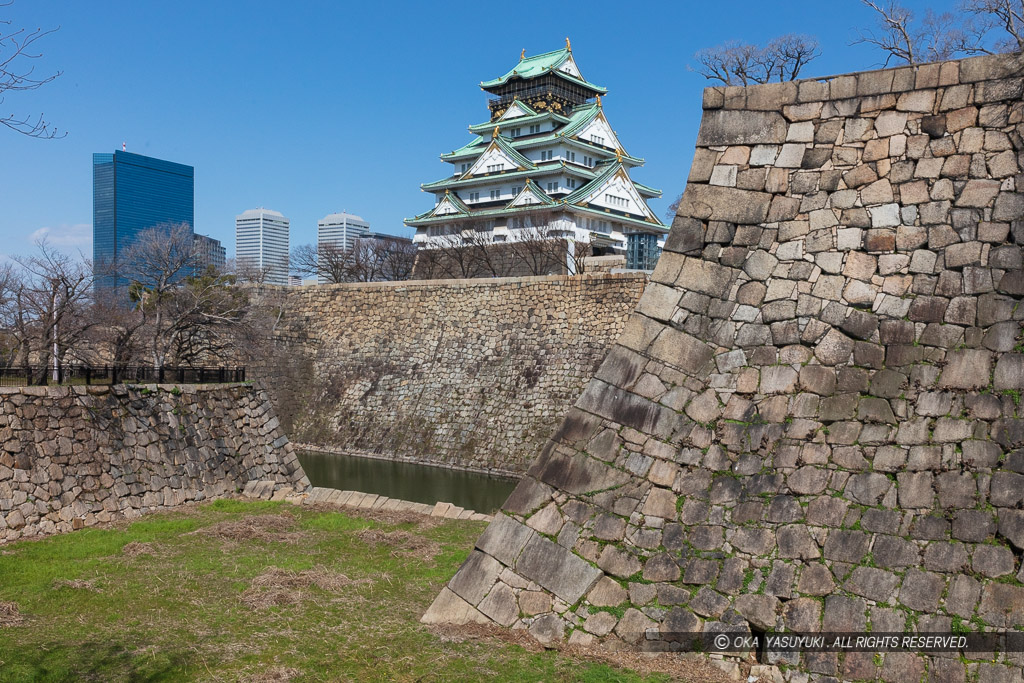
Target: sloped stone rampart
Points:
x,y
467,373
812,421
71,457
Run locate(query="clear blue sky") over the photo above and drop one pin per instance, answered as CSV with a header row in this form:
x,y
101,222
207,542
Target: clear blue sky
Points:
x,y
309,107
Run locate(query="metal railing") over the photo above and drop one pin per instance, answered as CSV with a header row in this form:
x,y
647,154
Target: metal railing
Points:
x,y
38,375
575,95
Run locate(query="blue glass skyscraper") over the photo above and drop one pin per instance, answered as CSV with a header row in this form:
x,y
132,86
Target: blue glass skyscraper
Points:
x,y
132,193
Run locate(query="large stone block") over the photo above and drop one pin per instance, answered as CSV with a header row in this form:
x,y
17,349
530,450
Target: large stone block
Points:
x,y
727,127
504,538
966,369
682,350
575,474
556,569
476,576
449,608
710,202
1009,372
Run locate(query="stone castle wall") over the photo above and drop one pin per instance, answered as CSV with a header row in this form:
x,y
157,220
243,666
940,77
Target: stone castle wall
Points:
x,y
71,457
469,373
812,421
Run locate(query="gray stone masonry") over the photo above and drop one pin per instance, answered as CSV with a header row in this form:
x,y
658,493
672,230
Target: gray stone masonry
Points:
x,y
467,373
72,457
813,419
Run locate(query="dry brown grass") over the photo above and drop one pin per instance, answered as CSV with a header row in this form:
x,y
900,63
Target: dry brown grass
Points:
x,y
265,528
382,516
10,615
278,587
77,584
136,548
402,543
680,667
277,674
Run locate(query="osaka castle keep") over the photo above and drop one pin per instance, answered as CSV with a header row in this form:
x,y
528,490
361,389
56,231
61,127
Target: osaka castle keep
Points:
x,y
546,163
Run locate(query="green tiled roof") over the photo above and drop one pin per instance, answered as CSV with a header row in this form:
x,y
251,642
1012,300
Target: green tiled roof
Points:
x,y
581,116
581,192
472,147
425,219
508,149
652,227
538,65
456,202
536,192
557,138
545,168
607,173
644,189
488,126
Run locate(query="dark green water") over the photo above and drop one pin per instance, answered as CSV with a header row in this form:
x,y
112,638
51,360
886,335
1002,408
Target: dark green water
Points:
x,y
407,481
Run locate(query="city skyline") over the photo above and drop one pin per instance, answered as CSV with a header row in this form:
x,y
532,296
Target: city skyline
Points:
x,y
364,146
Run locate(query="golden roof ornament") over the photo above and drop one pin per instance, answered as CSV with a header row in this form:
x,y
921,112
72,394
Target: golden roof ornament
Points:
x,y
495,133
599,101
522,55
568,45
618,155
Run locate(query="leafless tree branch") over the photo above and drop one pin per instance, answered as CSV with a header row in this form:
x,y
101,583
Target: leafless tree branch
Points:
x,y
736,63
18,74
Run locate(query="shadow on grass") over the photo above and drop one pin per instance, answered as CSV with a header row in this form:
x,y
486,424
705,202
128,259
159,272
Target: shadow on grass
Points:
x,y
93,661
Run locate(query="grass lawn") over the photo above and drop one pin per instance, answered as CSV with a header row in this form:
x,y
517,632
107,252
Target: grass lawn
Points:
x,y
256,591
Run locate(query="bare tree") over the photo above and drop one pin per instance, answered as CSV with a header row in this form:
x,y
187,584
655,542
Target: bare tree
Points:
x,y
791,53
16,52
119,334
489,258
10,341
999,15
369,260
581,251
250,272
538,252
326,262
909,41
447,256
182,309
44,309
735,63
397,259
901,36
209,318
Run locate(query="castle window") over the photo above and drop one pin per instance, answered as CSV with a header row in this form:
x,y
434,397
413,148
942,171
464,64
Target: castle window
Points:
x,y
515,132
474,196
588,161
614,200
547,155
597,139
495,194
494,168
534,129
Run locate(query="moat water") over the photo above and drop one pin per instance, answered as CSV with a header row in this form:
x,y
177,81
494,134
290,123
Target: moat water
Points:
x,y
407,481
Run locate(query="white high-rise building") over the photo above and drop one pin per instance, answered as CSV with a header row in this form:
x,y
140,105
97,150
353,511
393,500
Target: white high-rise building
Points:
x,y
340,230
261,243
